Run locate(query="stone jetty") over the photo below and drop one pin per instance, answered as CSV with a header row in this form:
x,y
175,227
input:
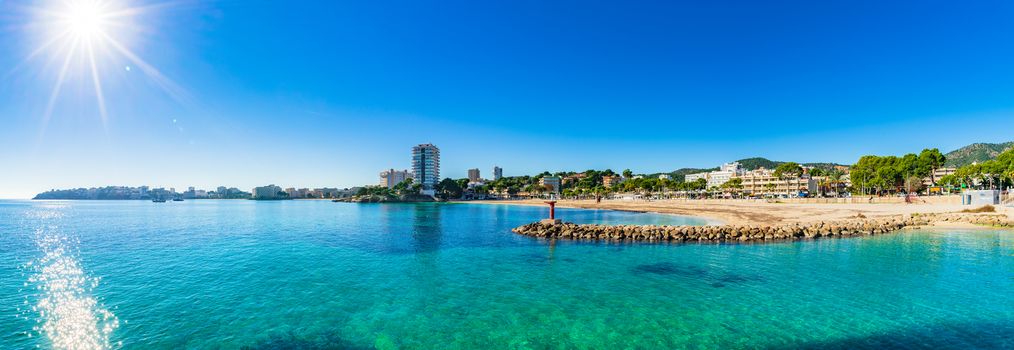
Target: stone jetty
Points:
x,y
745,233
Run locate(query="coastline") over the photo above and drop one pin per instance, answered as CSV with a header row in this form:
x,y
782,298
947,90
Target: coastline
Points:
x,y
746,212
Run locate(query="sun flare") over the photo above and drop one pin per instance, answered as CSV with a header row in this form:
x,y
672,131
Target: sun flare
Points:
x,y
85,18
88,40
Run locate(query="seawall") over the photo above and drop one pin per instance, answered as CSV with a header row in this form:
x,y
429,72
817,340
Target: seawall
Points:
x,y
754,233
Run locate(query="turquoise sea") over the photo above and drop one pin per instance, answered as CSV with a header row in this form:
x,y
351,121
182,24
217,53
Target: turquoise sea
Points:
x,y
321,275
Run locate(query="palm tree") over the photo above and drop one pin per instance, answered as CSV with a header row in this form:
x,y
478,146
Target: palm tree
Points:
x,y
835,177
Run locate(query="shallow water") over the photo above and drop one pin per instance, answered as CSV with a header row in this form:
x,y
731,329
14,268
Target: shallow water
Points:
x,y
316,274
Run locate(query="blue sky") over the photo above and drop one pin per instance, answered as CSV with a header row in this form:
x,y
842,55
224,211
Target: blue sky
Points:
x,y
330,93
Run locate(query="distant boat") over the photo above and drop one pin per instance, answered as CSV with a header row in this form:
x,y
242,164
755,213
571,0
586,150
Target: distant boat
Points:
x,y
158,200
177,199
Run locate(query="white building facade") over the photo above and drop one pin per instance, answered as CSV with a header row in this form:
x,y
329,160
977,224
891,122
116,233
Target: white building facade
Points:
x,y
426,167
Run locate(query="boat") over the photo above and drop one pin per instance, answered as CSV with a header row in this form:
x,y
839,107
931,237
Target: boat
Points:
x,y
158,200
177,199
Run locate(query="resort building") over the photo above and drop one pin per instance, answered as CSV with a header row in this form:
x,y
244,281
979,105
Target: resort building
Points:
x,y
497,173
267,192
473,175
426,166
695,177
552,181
762,182
664,177
719,177
391,177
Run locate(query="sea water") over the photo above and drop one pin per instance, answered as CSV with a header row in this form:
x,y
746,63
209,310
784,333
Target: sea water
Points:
x,y
210,274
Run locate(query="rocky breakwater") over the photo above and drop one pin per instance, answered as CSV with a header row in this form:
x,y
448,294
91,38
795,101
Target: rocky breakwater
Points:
x,y
991,220
745,233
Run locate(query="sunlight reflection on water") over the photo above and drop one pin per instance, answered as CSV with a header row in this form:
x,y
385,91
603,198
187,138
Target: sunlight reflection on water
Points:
x,y
67,313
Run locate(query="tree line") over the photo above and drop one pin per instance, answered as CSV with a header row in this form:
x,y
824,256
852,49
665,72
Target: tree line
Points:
x,y
891,174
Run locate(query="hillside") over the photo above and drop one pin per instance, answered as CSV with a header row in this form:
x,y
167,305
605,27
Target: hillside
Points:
x,y
757,162
976,152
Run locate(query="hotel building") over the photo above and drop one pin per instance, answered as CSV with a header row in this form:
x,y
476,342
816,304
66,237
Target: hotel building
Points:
x,y
267,192
426,166
763,182
473,175
716,178
497,173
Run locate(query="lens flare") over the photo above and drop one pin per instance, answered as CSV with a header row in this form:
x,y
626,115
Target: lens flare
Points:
x,y
86,40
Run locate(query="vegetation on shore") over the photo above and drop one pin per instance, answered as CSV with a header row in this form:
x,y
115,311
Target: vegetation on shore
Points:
x,y
996,173
405,191
891,174
870,175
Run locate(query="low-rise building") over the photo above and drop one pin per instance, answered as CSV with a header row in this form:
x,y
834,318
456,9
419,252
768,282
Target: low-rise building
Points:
x,y
554,182
936,175
610,181
762,182
573,178
391,177
326,192
268,192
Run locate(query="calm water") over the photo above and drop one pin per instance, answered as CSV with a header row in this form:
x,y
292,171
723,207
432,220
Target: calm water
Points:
x,y
315,274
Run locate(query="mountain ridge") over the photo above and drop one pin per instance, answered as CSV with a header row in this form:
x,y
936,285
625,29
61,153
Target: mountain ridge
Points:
x,y
976,152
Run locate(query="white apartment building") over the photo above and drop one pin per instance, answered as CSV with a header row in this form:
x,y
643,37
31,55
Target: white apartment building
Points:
x,y
719,177
763,182
266,192
426,166
695,177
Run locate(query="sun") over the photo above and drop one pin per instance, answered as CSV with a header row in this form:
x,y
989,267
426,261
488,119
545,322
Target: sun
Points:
x,y
85,18
90,39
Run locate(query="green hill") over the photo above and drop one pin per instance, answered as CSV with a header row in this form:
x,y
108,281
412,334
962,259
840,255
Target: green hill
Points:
x,y
757,162
976,152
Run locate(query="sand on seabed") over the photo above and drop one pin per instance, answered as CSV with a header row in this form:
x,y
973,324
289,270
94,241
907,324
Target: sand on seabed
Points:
x,y
756,212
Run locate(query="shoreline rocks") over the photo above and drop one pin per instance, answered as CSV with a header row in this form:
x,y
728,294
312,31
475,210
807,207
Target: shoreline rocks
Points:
x,y
751,233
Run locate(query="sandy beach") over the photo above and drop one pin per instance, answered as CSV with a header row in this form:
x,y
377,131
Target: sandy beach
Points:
x,y
757,212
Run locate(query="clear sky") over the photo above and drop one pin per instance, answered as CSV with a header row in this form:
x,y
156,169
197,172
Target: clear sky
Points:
x,y
329,93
